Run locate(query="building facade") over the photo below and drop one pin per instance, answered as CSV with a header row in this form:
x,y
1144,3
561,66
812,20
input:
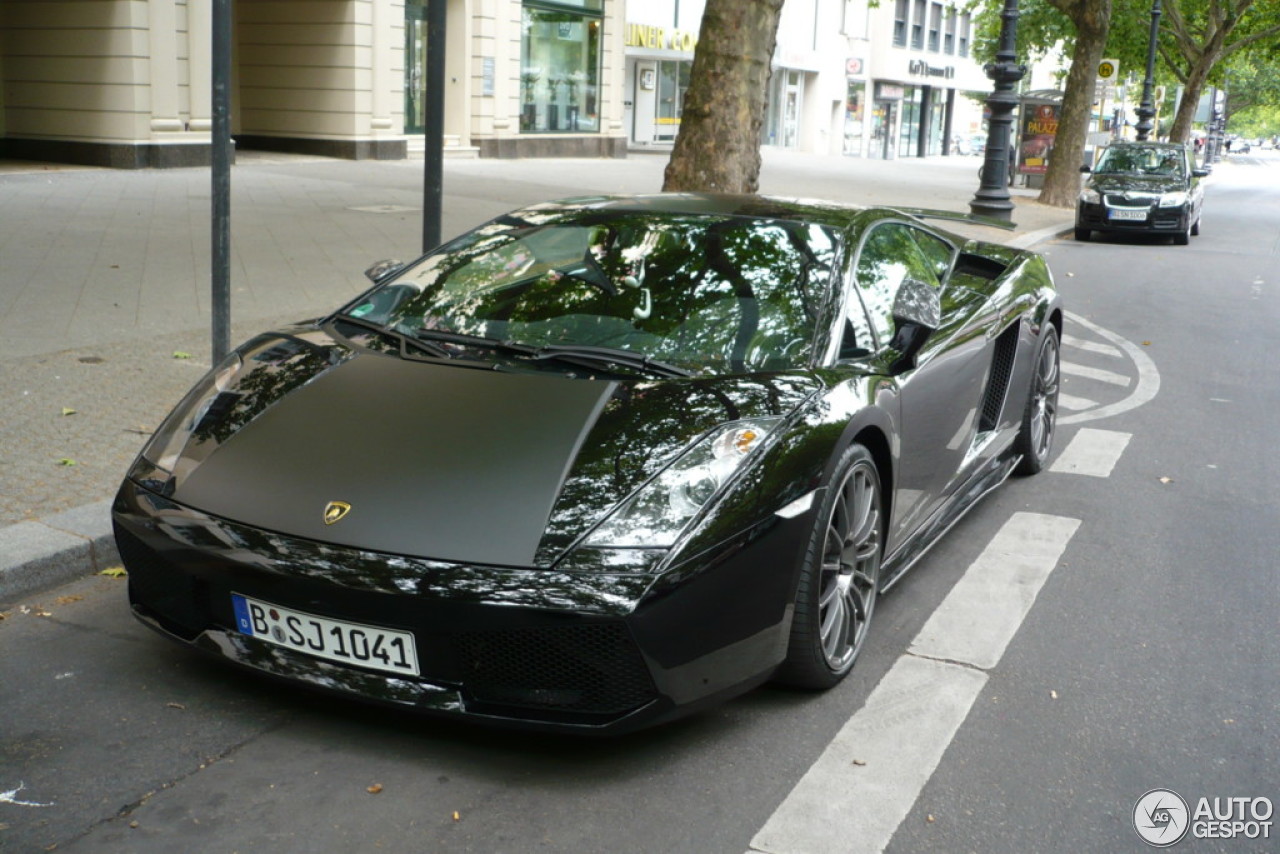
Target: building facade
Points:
x,y
127,83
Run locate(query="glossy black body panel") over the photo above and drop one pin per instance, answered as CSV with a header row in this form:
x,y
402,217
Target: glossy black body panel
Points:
x,y
475,487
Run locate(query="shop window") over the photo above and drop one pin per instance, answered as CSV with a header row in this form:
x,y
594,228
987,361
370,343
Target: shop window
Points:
x,y
560,68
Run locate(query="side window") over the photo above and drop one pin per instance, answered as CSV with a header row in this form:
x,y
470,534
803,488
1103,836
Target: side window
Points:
x,y
889,255
938,252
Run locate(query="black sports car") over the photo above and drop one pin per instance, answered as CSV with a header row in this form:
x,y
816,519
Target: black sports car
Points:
x,y
597,462
1142,187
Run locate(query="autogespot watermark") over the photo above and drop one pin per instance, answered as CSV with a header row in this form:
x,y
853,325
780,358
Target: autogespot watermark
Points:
x,y
1163,818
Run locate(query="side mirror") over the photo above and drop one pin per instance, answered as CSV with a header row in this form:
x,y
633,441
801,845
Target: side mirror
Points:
x,y
1086,168
1199,173
917,313
382,269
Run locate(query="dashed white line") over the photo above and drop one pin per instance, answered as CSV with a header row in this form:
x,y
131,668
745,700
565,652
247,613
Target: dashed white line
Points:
x,y
868,778
1110,377
1075,404
1091,346
1091,452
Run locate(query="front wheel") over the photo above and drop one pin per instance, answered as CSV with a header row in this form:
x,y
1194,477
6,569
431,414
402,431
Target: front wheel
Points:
x,y
1035,438
840,578
1083,234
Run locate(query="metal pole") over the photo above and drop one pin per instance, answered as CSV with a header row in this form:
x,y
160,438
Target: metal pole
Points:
x,y
1147,110
433,127
992,198
220,161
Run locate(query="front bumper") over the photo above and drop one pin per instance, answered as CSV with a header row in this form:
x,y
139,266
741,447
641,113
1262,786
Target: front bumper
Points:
x,y
584,651
1155,219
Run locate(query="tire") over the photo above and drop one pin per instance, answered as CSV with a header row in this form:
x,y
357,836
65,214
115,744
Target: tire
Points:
x,y
1182,238
1195,228
840,578
1040,415
1083,234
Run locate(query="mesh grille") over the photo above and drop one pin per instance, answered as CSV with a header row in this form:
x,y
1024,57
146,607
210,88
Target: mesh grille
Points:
x,y
1001,368
586,668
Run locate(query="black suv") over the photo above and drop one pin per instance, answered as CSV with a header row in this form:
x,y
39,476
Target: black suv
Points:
x,y
1145,187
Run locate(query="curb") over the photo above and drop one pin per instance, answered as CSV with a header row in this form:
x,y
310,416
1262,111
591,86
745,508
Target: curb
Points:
x,y
36,556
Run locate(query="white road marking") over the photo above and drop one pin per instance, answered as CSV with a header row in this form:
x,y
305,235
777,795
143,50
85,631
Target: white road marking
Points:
x,y
1148,377
982,612
1091,452
1110,377
1091,346
868,779
1075,404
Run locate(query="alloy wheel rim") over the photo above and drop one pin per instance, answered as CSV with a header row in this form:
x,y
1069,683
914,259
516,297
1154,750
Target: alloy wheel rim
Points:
x,y
850,567
1045,404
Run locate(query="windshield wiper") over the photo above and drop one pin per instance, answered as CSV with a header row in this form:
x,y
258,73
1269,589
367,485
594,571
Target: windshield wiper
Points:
x,y
400,337
427,335
583,354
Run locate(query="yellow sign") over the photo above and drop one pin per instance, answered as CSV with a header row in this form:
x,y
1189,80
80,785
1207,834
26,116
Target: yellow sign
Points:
x,y
1107,69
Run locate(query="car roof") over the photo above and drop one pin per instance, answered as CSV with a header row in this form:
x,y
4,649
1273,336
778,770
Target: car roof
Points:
x,y
707,204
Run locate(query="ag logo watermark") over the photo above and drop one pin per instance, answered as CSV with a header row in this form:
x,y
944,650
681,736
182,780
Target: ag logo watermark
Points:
x,y
1163,818
1160,817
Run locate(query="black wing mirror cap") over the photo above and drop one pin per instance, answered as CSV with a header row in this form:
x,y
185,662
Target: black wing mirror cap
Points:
x,y
1200,173
383,269
917,313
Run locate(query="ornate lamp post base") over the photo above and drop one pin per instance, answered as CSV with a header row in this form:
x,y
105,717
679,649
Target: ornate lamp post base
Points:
x,y
992,198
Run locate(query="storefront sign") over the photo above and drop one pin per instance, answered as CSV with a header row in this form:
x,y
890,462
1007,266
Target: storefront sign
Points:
x,y
888,92
920,68
657,38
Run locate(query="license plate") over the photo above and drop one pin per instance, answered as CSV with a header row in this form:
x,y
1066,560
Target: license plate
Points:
x,y
333,640
1138,215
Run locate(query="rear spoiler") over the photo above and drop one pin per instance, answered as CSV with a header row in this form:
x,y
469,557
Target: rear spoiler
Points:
x,y
956,216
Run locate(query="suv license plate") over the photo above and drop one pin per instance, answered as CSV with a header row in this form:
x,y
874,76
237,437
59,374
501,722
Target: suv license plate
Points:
x,y
332,640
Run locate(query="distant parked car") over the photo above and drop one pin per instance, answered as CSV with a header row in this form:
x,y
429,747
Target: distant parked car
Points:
x,y
1142,187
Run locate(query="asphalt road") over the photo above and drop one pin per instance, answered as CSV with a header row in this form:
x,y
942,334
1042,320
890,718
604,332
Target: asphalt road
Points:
x,y
1147,657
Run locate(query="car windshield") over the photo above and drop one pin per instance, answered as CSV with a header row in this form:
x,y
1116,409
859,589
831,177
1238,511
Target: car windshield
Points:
x,y
1141,160
707,294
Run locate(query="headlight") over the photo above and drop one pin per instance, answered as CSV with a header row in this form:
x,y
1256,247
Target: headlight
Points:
x,y
656,513
1173,200
166,446
1090,196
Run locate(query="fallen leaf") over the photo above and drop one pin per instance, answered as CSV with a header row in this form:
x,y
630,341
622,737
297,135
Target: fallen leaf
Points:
x,y
67,461
67,410
1228,720
929,818
859,762
1166,480
456,817
38,611
1053,695
178,354
67,600
1146,343
1071,275
114,572
177,706
374,789
4,614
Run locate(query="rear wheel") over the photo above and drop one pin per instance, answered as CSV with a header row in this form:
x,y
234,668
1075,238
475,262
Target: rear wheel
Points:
x,y
836,594
1035,438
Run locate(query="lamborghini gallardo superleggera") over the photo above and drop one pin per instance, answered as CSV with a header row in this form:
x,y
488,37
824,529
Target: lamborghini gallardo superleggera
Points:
x,y
598,462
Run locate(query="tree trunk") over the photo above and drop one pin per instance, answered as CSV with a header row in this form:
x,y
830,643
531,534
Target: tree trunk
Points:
x,y
1092,19
718,146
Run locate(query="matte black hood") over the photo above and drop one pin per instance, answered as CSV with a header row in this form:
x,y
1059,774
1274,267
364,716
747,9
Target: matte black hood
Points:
x,y
435,461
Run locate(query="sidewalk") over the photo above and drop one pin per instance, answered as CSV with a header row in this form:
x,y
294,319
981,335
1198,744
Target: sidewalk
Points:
x,y
104,292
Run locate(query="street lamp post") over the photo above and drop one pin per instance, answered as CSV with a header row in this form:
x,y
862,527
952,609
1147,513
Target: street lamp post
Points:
x,y
992,198
1146,111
